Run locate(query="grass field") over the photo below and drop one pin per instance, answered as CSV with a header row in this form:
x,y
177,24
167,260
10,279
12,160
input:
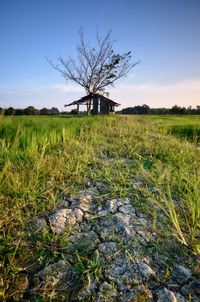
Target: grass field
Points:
x,y
43,159
185,126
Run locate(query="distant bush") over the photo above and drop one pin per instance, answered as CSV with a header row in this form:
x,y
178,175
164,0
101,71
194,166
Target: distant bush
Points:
x,y
19,111
31,110
144,109
9,111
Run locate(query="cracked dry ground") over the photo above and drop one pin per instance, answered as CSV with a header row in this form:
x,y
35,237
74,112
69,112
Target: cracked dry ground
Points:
x,y
111,255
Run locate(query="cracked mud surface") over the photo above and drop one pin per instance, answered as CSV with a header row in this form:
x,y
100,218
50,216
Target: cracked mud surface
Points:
x,y
119,247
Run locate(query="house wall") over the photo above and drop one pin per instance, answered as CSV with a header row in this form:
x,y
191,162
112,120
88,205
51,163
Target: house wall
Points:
x,y
101,106
104,107
95,105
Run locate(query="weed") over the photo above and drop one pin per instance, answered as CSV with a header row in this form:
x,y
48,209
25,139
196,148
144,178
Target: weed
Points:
x,y
49,245
89,269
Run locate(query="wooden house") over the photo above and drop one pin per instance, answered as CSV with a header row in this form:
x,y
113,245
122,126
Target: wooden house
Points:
x,y
96,103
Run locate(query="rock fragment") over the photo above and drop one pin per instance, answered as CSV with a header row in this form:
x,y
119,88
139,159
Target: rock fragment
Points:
x,y
84,203
61,219
146,271
78,214
102,213
180,298
127,210
166,295
57,279
123,225
108,248
191,287
112,205
181,274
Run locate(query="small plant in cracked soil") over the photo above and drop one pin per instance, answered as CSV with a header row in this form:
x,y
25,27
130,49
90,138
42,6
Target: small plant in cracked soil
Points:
x,y
88,269
48,245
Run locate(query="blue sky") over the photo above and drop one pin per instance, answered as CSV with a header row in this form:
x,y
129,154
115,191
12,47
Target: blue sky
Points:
x,y
163,34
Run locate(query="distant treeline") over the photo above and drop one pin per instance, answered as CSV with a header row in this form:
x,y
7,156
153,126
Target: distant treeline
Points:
x,y
144,109
29,111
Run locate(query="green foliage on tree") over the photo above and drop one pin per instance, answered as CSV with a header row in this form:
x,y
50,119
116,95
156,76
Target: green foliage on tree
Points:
x,y
30,111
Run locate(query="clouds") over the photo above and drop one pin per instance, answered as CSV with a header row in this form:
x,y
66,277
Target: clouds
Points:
x,y
40,96
183,93
66,88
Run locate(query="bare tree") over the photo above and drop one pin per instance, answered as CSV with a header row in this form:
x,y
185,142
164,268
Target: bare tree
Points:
x,y
95,68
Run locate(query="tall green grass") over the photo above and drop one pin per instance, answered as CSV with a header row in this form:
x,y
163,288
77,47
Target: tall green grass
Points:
x,y
183,126
43,159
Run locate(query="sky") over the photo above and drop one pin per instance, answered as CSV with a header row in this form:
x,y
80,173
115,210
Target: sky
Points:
x,y
164,35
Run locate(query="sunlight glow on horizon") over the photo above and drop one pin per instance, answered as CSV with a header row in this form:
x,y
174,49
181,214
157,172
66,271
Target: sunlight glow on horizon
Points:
x,y
184,94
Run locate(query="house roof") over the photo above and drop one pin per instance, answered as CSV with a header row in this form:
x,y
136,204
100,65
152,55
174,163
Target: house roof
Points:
x,y
90,96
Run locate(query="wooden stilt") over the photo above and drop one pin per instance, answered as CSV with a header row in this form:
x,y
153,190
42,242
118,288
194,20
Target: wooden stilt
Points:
x,y
89,110
109,108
